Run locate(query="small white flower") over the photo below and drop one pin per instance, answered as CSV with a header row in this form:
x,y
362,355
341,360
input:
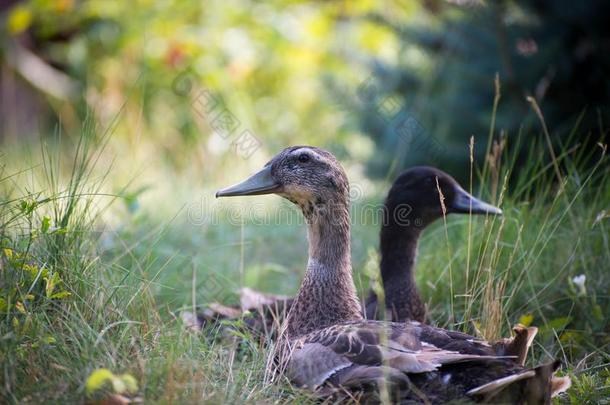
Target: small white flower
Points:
x,y
579,281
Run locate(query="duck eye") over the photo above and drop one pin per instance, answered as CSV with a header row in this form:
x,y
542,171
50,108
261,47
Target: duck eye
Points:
x,y
303,158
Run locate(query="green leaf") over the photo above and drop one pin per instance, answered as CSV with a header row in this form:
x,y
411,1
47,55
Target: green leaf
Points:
x,y
60,295
46,224
598,313
560,323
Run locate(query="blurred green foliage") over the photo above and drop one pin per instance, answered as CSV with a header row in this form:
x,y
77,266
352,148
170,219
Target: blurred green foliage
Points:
x,y
263,59
557,52
290,72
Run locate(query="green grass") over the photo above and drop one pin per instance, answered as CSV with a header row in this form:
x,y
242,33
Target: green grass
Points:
x,y
92,281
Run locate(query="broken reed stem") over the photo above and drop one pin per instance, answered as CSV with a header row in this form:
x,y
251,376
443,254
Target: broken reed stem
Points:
x,y
492,126
467,301
554,160
444,208
547,137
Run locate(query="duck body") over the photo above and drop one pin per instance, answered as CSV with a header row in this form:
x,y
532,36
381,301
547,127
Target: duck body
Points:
x,y
327,344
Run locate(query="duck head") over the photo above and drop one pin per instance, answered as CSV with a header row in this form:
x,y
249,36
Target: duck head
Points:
x,y
313,179
417,190
307,176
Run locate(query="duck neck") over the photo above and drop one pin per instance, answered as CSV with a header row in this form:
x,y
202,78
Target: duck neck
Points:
x,y
327,295
398,255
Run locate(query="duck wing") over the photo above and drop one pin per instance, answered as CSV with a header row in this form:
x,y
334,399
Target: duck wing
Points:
x,y
405,348
534,386
414,362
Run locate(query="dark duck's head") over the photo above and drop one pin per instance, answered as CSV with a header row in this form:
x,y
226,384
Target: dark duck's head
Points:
x,y
422,194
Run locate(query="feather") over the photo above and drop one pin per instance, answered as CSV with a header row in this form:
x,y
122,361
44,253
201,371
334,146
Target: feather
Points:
x,y
496,386
534,386
250,299
313,364
517,345
560,385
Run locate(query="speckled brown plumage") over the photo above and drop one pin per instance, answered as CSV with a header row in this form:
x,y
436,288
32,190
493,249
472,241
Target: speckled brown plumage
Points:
x,y
327,295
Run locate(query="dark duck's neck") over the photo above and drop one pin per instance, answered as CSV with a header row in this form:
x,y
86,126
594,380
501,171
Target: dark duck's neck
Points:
x,y
327,295
398,247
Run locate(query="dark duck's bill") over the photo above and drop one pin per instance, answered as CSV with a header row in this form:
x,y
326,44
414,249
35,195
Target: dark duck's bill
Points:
x,y
465,203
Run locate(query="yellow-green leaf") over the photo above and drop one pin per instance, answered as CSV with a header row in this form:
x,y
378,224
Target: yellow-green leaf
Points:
x,y
560,323
8,253
130,383
118,385
98,378
32,270
60,295
526,320
49,340
51,283
19,19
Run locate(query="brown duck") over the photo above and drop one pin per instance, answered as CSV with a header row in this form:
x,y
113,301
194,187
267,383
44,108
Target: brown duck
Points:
x,y
327,345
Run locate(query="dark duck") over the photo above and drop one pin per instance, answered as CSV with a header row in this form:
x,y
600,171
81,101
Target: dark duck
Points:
x,y
327,346
418,197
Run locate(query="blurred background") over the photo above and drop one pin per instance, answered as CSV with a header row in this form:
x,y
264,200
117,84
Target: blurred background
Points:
x,y
120,119
398,82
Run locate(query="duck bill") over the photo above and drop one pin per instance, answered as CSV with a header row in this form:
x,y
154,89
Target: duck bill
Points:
x,y
261,182
465,203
